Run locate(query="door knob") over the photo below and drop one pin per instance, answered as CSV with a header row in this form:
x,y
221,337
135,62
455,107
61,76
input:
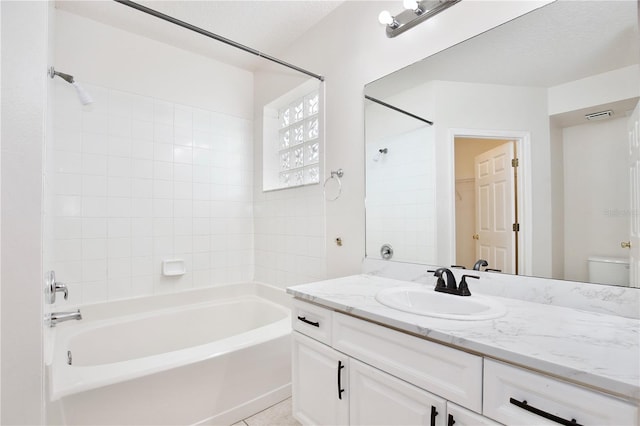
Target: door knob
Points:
x,y
476,236
625,244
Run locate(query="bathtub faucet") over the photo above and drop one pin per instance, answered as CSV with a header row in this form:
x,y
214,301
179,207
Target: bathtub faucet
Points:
x,y
55,317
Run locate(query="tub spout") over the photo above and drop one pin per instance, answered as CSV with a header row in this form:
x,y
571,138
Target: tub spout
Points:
x,y
55,317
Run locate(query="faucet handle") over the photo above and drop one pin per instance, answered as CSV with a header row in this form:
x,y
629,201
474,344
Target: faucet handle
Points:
x,y
52,287
440,281
463,287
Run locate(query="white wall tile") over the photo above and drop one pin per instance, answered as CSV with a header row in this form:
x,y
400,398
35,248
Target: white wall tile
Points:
x,y
163,112
94,143
133,186
142,130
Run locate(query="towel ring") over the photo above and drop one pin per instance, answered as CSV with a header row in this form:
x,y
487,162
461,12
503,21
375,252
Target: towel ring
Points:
x,y
335,174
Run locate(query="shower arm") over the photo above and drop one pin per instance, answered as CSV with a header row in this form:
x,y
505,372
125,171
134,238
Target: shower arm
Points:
x,y
66,77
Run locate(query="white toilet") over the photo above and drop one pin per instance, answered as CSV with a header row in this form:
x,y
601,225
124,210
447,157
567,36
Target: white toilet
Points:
x,y
609,270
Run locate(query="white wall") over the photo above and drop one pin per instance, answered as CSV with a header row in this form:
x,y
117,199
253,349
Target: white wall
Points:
x,y
159,167
596,204
597,89
557,201
350,49
24,57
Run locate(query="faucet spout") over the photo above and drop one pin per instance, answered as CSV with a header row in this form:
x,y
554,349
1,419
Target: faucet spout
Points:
x,y
55,317
479,263
451,285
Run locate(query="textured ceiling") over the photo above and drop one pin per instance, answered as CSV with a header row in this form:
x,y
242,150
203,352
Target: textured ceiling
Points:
x,y
267,26
558,43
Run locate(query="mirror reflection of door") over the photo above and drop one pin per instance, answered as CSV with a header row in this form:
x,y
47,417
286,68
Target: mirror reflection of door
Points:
x,y
486,200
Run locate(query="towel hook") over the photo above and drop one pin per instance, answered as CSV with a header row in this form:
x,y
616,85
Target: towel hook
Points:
x,y
335,174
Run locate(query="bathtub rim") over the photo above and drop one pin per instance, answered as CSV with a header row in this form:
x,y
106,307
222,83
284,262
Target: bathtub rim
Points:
x,y
64,382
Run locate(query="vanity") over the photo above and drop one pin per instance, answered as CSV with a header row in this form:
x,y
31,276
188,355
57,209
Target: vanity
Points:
x,y
357,361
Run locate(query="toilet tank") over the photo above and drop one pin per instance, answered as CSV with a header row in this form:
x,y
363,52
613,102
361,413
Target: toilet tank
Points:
x,y
608,270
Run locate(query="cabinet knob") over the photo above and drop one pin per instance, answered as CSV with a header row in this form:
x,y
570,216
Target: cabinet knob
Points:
x,y
476,236
625,244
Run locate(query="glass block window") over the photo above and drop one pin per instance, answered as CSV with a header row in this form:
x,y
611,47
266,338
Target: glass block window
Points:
x,y
299,147
292,139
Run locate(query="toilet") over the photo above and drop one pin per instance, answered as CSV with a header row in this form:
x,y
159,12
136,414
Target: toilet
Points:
x,y
608,270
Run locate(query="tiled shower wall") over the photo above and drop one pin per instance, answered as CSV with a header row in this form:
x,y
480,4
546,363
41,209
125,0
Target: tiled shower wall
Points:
x,y
132,180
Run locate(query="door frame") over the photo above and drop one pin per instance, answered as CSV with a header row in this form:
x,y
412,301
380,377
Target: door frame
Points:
x,y
523,183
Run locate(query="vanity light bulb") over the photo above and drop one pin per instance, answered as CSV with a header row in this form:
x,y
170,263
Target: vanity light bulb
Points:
x,y
410,4
385,18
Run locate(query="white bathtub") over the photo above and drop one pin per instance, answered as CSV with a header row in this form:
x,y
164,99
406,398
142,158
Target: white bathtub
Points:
x,y
210,356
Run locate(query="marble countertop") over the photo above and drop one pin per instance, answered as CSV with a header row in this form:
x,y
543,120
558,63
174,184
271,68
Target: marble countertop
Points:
x,y
590,348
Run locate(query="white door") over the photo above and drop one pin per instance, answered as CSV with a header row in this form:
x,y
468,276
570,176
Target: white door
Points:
x,y
378,398
319,383
495,208
634,187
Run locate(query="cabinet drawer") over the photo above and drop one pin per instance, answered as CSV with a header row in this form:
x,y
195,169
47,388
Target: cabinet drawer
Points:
x,y
312,321
507,387
449,373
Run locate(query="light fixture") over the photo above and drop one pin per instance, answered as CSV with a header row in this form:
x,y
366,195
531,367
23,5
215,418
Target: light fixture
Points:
x,y
413,5
415,12
385,18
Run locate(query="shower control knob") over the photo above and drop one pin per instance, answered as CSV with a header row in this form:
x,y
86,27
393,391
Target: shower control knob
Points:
x,y
52,287
625,244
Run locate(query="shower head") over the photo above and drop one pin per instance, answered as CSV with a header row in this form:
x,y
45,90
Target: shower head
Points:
x,y
84,97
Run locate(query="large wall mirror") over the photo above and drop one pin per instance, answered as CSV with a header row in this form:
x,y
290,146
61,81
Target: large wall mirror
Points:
x,y
529,161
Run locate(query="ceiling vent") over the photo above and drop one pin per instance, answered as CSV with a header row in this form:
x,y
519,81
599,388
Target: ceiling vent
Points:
x,y
599,115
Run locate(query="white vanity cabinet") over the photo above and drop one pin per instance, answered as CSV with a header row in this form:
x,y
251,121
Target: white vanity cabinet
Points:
x,y
360,373
352,371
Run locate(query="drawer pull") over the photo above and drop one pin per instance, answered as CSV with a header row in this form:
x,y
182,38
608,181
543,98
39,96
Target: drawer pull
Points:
x,y
305,320
544,414
340,390
451,421
434,413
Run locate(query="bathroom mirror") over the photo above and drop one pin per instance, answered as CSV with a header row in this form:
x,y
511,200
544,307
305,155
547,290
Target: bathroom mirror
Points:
x,y
527,163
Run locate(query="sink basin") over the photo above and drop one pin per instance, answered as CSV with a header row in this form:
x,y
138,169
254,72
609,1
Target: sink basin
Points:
x,y
426,301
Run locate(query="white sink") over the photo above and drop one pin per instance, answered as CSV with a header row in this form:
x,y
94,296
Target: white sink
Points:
x,y
426,301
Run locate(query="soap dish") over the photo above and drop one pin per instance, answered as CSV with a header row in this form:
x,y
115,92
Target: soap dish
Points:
x,y
173,267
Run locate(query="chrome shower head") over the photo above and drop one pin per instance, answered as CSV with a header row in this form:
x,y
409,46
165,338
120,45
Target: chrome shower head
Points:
x,y
84,97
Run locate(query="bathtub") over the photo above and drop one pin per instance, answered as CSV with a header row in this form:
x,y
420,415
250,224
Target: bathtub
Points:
x,y
211,356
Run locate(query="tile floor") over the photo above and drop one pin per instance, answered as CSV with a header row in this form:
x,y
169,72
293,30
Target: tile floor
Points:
x,y
276,415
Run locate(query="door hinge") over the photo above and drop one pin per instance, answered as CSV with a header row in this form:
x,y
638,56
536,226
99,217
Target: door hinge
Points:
x,y
516,227
515,162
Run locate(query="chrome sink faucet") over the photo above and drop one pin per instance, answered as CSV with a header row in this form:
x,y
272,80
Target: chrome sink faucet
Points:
x,y
449,286
55,317
479,263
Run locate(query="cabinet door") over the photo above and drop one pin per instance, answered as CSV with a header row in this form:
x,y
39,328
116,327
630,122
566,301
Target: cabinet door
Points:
x,y
319,383
459,416
377,398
